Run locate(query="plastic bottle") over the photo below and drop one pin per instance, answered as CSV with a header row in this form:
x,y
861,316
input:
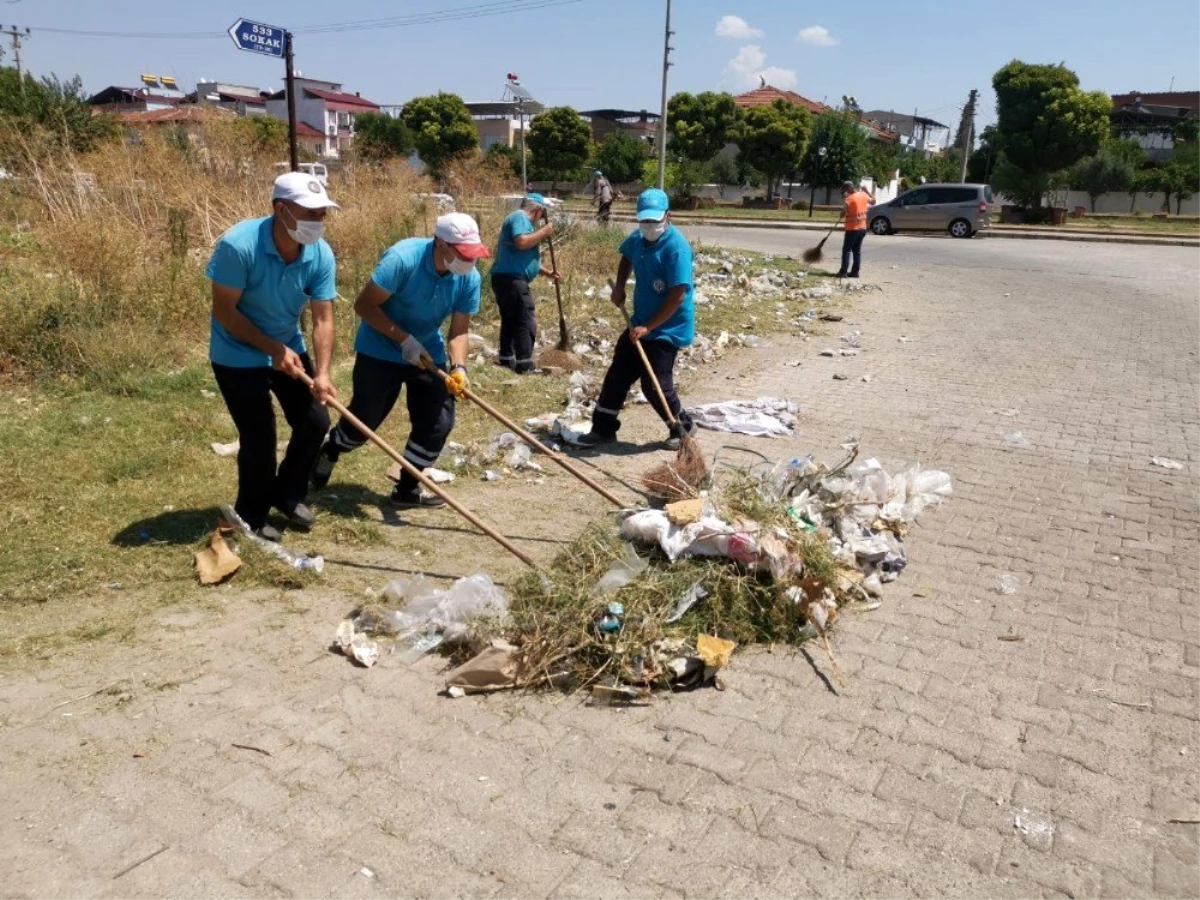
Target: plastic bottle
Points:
x,y
610,622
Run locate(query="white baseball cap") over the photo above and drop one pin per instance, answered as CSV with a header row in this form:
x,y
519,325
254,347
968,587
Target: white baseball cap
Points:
x,y
460,230
303,190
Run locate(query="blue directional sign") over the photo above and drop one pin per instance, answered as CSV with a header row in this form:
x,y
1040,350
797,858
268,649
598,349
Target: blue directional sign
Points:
x,y
258,38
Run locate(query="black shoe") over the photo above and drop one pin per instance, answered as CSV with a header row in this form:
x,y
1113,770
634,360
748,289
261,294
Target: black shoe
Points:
x,y
852,275
840,275
299,516
596,438
269,533
415,498
322,468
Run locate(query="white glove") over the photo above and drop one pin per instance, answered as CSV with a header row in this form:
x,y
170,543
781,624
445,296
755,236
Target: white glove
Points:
x,y
414,353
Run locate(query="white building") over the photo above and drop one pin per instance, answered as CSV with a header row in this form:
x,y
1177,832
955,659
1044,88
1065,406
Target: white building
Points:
x,y
325,107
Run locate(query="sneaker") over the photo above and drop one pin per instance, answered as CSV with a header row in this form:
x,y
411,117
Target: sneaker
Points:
x,y
299,516
322,469
417,498
269,533
596,438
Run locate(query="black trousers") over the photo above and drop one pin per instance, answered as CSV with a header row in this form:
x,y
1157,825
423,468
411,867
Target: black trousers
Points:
x,y
852,248
625,369
518,321
247,394
377,384
604,213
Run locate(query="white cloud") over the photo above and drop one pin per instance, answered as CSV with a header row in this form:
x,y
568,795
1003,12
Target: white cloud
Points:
x,y
736,28
743,72
817,36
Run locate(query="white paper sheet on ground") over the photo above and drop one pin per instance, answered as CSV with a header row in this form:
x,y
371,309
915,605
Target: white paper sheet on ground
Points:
x,y
764,417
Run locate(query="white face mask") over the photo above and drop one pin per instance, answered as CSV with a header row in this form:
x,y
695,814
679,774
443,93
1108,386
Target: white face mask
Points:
x,y
652,231
304,232
459,266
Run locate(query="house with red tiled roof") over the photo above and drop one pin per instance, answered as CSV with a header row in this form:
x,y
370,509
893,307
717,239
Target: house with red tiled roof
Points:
x,y
327,109
768,94
1155,119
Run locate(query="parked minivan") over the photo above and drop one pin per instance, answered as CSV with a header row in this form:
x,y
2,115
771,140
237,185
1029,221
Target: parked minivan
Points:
x,y
961,209
315,170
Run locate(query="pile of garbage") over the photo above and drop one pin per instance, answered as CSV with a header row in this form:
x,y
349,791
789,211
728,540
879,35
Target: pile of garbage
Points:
x,y
662,599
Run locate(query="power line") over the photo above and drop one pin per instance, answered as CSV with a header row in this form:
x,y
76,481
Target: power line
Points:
x,y
447,15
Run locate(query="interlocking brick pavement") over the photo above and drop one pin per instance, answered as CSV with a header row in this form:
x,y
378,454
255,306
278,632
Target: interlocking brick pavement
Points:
x,y
952,763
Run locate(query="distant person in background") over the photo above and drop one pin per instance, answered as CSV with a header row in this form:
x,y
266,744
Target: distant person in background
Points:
x,y
857,202
602,196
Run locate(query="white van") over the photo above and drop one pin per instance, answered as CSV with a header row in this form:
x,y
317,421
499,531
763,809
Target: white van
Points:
x,y
314,169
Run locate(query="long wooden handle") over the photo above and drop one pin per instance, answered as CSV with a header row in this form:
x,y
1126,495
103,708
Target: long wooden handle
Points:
x,y
537,445
423,478
650,371
562,318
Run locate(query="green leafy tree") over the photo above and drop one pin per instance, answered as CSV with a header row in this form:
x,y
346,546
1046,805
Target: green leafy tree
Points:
x,y
724,171
559,142
1045,124
620,156
1179,176
772,140
845,145
1106,171
982,162
441,128
378,137
58,107
702,124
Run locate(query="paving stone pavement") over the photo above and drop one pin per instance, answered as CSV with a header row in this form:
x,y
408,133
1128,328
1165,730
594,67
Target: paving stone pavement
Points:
x,y
1036,744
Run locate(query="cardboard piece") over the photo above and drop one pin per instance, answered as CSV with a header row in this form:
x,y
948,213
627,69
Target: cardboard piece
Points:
x,y
493,669
714,651
685,512
216,562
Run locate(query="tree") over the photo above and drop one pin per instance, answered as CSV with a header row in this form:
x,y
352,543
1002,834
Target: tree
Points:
x,y
845,156
378,137
724,171
1179,177
1102,173
262,134
772,139
620,156
559,142
982,163
1045,124
702,124
441,128
59,107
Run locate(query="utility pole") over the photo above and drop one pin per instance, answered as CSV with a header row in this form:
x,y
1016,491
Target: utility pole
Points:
x,y
662,119
521,113
290,84
969,115
17,36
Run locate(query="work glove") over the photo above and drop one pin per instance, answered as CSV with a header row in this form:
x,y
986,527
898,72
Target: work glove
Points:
x,y
456,381
414,353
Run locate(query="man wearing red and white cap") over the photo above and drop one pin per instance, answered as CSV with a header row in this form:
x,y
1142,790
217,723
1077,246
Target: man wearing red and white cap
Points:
x,y
418,284
264,273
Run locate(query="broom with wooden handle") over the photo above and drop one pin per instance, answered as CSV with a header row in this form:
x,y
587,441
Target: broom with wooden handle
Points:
x,y
814,254
423,478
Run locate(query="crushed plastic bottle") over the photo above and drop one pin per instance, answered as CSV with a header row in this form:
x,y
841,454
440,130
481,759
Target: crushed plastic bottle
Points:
x,y
610,622
1006,583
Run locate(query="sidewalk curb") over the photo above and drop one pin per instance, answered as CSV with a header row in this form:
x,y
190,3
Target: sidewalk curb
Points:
x,y
1148,239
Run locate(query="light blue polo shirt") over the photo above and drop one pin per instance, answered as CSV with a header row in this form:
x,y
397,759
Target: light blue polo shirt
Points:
x,y
274,292
658,267
421,300
511,261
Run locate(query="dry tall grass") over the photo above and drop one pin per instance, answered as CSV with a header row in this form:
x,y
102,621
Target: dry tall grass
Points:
x,y
102,256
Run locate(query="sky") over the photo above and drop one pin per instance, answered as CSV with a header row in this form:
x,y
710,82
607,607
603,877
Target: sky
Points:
x,y
922,55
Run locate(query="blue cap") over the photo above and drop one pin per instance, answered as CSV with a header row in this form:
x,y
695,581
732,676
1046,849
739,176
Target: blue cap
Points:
x,y
652,205
536,198
597,172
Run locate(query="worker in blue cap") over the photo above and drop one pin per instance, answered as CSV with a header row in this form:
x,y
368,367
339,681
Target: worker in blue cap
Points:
x,y
663,320
518,263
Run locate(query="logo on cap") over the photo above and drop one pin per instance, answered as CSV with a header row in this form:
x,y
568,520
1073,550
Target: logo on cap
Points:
x,y
315,187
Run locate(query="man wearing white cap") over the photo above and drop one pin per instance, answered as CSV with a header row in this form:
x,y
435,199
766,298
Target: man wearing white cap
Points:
x,y
418,284
264,273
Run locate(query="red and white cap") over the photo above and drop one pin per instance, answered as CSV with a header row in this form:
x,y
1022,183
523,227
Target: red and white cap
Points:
x,y
460,230
303,190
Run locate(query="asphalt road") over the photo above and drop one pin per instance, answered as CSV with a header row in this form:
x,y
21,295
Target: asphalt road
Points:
x,y
880,254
